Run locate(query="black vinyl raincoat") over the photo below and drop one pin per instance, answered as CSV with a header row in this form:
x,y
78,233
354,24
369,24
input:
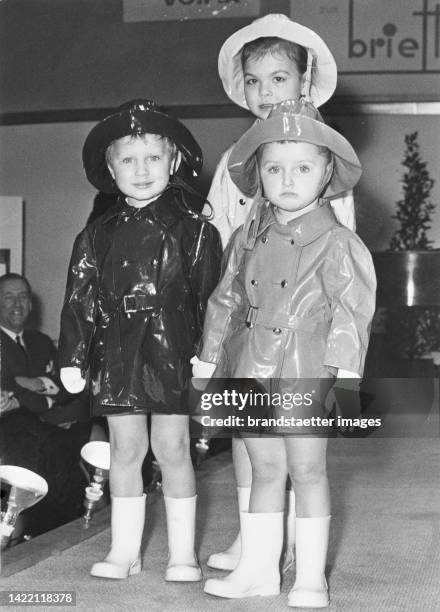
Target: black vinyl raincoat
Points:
x,y
137,288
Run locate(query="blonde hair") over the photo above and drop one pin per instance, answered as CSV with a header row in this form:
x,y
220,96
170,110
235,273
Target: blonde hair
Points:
x,y
172,149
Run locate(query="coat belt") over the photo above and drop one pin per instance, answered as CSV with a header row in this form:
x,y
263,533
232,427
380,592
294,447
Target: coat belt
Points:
x,y
258,316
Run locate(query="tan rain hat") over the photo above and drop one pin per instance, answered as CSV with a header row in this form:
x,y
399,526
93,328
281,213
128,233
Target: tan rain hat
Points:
x,y
296,120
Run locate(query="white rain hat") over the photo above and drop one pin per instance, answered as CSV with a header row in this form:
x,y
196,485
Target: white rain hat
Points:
x,y
324,74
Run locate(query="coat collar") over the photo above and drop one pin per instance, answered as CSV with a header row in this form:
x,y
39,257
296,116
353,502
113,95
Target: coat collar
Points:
x,y
303,230
165,210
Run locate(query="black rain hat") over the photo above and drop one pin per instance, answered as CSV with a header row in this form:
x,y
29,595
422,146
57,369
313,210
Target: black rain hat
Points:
x,y
134,118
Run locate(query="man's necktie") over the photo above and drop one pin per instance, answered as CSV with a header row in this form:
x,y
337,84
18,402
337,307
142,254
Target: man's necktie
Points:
x,y
18,340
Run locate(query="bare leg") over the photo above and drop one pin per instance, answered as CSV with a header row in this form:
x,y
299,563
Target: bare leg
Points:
x,y
306,459
128,448
170,445
242,463
268,459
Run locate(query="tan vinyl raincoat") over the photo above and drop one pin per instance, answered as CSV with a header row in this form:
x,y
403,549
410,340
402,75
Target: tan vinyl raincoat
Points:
x,y
295,300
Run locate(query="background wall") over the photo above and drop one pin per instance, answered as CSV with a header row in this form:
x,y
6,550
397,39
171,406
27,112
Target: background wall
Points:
x,y
42,163
84,54
70,60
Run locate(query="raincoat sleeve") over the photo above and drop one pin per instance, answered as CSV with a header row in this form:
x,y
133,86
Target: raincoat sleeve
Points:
x,y
351,285
223,302
205,269
79,308
222,194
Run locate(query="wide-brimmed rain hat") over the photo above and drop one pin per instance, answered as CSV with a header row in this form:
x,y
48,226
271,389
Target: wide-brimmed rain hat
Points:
x,y
324,71
296,120
132,119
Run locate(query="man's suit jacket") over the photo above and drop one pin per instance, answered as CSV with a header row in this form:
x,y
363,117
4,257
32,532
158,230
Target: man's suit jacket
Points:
x,y
39,360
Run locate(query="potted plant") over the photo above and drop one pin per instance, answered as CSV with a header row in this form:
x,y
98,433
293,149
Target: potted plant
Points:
x,y
408,295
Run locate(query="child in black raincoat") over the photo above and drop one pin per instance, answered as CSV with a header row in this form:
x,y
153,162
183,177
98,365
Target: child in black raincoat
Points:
x,y
138,282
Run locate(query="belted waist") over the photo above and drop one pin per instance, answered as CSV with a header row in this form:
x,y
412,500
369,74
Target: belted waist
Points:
x,y
258,316
137,302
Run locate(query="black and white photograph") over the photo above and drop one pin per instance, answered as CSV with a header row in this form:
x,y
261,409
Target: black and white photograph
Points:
x,y
220,305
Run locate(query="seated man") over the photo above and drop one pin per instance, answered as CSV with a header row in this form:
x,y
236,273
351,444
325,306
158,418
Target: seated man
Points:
x,y
32,403
29,376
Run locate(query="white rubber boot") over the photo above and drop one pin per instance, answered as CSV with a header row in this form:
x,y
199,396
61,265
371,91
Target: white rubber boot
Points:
x,y
310,588
181,525
289,533
228,559
127,526
258,571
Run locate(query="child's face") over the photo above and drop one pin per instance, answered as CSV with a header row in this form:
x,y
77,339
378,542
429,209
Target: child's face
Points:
x,y
141,167
293,175
268,80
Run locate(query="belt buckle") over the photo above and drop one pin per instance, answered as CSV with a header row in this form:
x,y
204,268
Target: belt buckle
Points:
x,y
130,303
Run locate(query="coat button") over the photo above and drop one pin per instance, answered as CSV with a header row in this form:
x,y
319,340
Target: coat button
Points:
x,y
283,283
154,262
277,331
125,263
242,201
292,241
264,239
254,283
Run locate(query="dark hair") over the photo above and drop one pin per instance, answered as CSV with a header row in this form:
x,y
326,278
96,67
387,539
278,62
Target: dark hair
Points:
x,y
260,47
13,276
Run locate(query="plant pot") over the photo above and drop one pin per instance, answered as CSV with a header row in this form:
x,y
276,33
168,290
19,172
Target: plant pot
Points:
x,y
398,384
408,278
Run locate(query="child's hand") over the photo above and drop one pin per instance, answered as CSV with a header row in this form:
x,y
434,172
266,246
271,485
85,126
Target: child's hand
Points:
x,y
72,379
348,400
347,374
347,380
202,369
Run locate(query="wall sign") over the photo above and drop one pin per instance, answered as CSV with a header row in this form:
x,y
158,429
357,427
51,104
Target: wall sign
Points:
x,y
376,37
177,10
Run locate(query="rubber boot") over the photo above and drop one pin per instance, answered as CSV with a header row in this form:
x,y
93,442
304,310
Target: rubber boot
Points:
x,y
181,526
258,571
289,533
310,588
127,526
228,559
